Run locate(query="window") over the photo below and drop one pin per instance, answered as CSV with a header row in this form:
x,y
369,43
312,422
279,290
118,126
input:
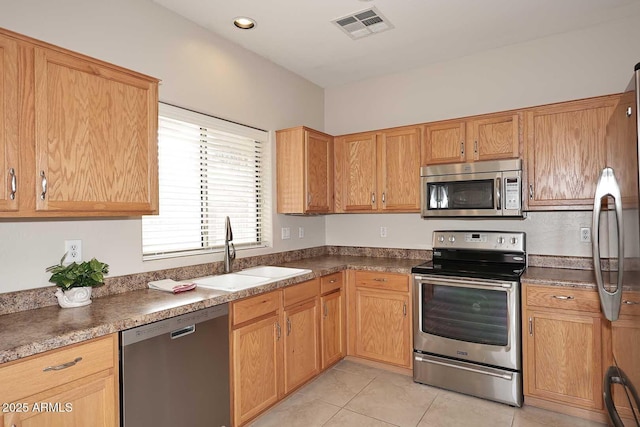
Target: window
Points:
x,y
208,169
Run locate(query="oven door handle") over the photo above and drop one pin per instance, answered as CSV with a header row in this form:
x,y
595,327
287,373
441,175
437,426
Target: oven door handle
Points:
x,y
503,376
465,283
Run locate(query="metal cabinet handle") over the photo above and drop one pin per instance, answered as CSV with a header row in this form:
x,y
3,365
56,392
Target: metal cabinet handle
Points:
x,y
384,201
288,326
373,198
63,366
378,279
630,302
461,148
332,281
404,309
326,310
12,173
530,191
563,297
475,147
44,185
278,331
530,326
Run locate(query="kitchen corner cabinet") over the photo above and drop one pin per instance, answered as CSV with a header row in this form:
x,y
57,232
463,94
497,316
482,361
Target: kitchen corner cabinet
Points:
x,y
304,168
562,346
378,171
566,147
489,137
380,317
85,393
87,133
332,321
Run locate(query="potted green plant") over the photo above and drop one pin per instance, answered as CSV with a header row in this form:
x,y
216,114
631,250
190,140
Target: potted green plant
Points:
x,y
76,281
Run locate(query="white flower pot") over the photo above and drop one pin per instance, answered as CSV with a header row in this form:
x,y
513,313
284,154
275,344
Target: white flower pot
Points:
x,y
74,297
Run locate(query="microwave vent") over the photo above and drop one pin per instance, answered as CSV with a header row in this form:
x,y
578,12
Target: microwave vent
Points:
x,y
363,23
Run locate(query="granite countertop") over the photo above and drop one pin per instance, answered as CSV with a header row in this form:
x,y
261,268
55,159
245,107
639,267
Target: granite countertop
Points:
x,y
34,331
560,277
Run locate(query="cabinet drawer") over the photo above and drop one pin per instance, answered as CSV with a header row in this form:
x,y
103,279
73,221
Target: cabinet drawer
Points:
x,y
630,303
27,377
331,282
303,291
563,297
254,307
388,281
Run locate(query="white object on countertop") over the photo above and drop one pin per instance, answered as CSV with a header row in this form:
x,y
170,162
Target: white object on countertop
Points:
x,y
74,297
172,286
274,272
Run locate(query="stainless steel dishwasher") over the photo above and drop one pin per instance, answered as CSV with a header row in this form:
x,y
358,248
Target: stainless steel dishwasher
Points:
x,y
175,372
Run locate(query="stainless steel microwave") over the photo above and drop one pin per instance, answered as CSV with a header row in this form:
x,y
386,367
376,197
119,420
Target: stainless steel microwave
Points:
x,y
480,189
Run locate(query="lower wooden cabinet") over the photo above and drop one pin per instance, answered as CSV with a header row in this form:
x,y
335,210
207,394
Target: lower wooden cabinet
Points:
x,y
568,346
563,356
275,347
83,393
380,317
255,367
332,319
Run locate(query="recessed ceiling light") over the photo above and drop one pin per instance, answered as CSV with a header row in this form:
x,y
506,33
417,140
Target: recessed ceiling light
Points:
x,y
244,23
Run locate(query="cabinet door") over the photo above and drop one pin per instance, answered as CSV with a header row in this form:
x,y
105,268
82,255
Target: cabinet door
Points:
x,y
563,358
9,124
356,173
622,145
494,137
332,328
400,170
87,402
444,143
301,351
566,150
96,137
382,326
319,172
625,344
255,369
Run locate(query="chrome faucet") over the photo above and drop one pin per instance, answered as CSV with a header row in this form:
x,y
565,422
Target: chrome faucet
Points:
x,y
229,249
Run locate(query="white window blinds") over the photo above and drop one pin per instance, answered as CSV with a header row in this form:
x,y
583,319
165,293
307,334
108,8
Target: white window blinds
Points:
x,y
208,169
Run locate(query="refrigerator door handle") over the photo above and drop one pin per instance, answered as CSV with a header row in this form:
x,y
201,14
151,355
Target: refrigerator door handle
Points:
x,y
608,186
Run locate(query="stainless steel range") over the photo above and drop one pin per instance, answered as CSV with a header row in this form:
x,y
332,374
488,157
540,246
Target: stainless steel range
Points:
x,y
467,335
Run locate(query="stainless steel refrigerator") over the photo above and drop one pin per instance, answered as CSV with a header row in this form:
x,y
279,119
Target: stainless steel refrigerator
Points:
x,y
616,256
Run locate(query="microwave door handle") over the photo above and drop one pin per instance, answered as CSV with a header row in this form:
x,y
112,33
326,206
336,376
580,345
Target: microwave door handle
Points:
x,y
608,186
498,195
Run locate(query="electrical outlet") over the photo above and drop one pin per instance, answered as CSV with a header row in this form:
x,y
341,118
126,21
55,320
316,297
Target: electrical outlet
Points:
x,y
585,234
300,232
286,233
383,231
73,249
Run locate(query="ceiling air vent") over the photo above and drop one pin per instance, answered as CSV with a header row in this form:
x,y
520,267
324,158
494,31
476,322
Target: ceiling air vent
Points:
x,y
363,23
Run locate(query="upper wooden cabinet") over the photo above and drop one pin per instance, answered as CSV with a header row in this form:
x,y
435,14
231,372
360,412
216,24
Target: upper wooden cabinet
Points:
x,y
9,148
567,146
378,171
490,137
304,171
87,133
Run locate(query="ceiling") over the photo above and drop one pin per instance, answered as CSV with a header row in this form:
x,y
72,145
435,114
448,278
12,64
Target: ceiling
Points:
x,y
299,34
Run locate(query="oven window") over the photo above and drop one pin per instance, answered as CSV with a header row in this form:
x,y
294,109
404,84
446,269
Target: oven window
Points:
x,y
461,195
465,314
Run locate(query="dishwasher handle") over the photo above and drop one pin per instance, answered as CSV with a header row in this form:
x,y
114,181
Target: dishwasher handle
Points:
x,y
179,333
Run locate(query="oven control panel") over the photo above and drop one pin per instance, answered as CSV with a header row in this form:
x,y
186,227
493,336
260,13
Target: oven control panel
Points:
x,y
481,240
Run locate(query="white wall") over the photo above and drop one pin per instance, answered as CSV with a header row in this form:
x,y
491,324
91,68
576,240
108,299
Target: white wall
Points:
x,y
590,62
199,71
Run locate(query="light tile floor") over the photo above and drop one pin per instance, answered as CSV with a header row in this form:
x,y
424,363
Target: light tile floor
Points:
x,y
353,394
